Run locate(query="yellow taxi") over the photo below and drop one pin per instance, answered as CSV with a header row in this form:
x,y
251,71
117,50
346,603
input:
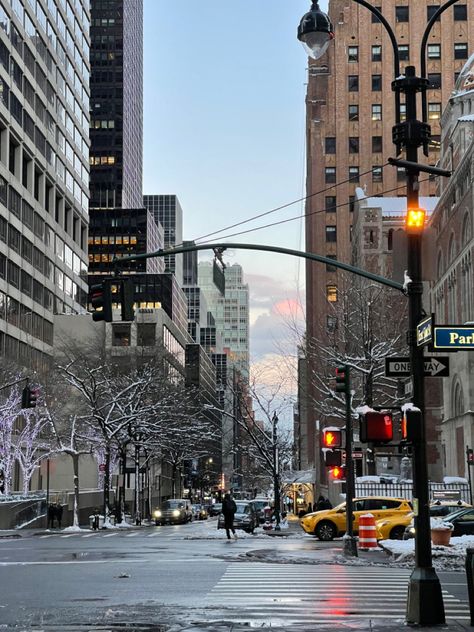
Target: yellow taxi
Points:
x,y
331,523
394,527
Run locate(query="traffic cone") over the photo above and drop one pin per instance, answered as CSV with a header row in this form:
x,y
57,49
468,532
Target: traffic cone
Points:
x,y
367,533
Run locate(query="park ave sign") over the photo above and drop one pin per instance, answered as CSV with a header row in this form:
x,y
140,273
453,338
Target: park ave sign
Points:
x,y
453,337
400,366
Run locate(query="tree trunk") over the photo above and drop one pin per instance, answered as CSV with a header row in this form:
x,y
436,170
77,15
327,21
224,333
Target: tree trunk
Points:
x,y
75,469
173,480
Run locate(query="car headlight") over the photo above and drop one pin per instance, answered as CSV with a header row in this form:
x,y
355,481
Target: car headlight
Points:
x,y
176,513
157,513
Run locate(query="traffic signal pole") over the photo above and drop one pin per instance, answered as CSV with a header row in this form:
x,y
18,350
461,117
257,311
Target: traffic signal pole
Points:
x,y
349,542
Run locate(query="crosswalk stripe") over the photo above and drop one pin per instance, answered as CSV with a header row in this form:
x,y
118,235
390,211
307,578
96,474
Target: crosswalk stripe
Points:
x,y
276,593
109,535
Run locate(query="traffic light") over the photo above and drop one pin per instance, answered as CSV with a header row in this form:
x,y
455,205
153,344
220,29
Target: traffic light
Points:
x,y
343,380
338,473
470,456
332,458
29,397
376,427
411,425
415,220
127,299
332,438
101,301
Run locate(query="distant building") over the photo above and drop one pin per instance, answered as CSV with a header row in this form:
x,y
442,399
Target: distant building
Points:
x,y
452,292
167,211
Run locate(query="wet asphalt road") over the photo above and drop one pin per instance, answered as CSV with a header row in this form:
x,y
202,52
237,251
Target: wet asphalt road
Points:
x,y
152,575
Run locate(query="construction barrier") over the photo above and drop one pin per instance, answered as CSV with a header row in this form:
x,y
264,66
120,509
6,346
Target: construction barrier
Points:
x,y
367,533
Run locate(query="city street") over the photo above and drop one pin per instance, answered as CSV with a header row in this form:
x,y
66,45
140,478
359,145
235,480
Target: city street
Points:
x,y
182,575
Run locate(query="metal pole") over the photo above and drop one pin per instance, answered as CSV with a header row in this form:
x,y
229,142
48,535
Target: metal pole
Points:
x,y
47,492
276,474
137,483
468,463
350,545
425,601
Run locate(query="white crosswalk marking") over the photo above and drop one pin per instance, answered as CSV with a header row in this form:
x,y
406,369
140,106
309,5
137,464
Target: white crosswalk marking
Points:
x,y
276,593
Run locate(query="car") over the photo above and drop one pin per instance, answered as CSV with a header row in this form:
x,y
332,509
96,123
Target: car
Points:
x,y
392,527
259,504
215,509
331,523
462,521
448,510
173,511
199,512
245,518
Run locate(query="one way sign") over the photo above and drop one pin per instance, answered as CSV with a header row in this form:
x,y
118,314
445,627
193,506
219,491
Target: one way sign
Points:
x,y
434,366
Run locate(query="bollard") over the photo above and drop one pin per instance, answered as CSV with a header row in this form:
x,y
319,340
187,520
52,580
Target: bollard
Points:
x,y
367,533
470,580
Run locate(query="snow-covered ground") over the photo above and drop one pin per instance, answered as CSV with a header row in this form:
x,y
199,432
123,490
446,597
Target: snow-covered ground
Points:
x,y
207,530
452,557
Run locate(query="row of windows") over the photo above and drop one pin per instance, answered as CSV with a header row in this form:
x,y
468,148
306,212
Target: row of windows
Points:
x,y
402,13
23,353
433,52
25,319
434,79
377,144
434,111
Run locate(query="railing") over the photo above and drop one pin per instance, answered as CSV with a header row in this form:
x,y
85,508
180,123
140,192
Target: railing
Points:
x,y
405,490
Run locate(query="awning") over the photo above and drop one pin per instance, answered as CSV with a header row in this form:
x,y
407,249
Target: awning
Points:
x,y
299,476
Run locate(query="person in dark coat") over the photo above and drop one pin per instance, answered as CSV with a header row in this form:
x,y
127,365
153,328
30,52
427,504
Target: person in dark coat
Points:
x,y
320,504
59,514
228,509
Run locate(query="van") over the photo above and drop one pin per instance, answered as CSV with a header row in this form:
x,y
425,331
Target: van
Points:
x,y
259,504
173,511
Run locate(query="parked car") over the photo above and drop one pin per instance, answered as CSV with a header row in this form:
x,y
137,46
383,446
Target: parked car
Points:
x,y
331,523
173,511
259,505
449,510
200,512
215,509
246,517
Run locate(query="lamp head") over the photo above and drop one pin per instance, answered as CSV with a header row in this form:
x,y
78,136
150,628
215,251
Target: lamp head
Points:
x,y
315,31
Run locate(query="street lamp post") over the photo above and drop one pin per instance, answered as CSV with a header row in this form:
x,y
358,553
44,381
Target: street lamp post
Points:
x,y
425,602
276,472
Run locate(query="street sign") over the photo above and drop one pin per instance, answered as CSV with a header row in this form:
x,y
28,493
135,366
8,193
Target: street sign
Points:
x,y
424,331
453,337
434,366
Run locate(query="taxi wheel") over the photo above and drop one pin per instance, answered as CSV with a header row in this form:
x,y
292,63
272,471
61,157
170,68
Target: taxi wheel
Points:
x,y
326,531
397,533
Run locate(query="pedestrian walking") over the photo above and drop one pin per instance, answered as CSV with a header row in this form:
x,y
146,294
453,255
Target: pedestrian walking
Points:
x,y
228,509
59,513
320,504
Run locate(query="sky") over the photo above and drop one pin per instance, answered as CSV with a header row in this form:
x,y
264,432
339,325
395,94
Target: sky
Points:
x,y
224,130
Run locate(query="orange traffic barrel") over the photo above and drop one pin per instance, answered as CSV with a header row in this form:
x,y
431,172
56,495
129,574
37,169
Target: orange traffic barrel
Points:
x,y
367,533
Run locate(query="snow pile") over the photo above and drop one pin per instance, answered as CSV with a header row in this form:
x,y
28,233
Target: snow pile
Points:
x,y
452,557
71,530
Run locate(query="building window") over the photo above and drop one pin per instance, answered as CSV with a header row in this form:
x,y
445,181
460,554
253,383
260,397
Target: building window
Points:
x,y
435,142
376,144
353,145
353,174
434,51
330,174
330,145
329,267
331,234
401,176
351,203
376,53
146,334
431,10
121,335
377,174
460,51
403,112
434,111
331,293
402,14
404,52
375,19
376,83
330,203
353,83
376,111
352,54
435,80
460,12
353,113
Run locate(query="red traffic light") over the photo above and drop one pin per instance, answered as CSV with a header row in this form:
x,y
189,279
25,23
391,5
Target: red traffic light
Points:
x,y
411,426
338,473
342,379
332,438
470,456
376,427
29,397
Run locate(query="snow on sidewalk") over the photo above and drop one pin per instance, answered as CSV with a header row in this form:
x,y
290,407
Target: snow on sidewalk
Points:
x,y
446,558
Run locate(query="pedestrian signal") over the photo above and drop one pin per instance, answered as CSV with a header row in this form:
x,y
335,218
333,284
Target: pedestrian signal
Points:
x,y
332,438
338,473
376,427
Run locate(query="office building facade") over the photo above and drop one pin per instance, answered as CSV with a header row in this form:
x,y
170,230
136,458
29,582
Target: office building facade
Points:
x,y
167,211
116,155
44,172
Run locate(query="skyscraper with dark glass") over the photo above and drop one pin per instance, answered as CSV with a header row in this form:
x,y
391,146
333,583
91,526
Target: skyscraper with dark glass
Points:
x,y
116,153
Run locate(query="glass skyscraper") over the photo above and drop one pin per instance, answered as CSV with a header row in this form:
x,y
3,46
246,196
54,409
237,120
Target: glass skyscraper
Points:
x,y
44,172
